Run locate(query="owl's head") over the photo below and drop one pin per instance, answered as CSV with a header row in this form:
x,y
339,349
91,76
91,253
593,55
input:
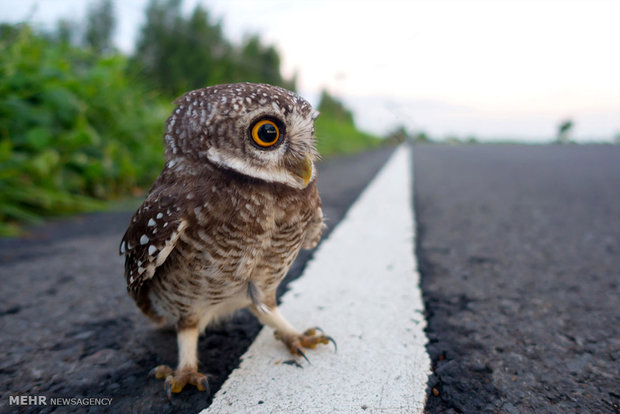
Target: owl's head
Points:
x,y
257,130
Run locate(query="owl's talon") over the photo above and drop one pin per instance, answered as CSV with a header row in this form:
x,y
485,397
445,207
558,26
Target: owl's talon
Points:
x,y
302,354
330,339
168,387
312,332
177,380
309,339
203,385
161,371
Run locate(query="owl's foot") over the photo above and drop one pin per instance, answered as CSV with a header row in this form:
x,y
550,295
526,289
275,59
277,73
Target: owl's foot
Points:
x,y
309,339
176,380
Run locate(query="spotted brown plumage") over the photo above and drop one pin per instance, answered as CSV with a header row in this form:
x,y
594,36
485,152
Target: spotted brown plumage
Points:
x,y
224,221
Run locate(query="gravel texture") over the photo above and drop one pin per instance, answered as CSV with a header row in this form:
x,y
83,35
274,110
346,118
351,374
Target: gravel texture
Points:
x,y
69,329
519,250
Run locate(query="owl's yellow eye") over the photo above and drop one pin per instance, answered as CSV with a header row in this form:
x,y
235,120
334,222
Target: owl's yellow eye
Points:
x,y
265,133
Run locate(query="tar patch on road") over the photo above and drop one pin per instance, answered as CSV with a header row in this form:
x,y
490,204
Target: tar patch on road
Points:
x,y
519,253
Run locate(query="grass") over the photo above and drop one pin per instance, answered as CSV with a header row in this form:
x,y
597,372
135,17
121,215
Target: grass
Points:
x,y
335,137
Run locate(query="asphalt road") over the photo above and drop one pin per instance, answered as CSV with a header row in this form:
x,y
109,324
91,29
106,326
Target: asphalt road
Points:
x,y
519,250
519,254
69,329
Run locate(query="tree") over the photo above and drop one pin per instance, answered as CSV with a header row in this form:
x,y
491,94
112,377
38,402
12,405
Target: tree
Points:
x,y
564,129
333,108
259,63
397,136
422,138
65,32
100,25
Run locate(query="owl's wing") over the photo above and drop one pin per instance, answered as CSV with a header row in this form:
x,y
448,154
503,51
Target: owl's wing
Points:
x,y
152,234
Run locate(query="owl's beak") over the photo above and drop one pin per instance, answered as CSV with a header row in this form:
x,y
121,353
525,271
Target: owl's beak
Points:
x,y
303,169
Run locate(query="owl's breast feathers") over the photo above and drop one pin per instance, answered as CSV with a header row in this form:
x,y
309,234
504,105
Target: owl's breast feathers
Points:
x,y
218,214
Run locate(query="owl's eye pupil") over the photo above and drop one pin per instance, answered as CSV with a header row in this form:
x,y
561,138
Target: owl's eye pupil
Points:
x,y
265,133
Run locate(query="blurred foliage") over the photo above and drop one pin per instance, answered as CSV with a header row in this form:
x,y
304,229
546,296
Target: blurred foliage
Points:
x,y
81,124
100,24
177,53
74,129
398,135
335,129
564,130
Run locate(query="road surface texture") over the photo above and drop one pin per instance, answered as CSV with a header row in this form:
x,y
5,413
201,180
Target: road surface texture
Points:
x,y
69,329
519,251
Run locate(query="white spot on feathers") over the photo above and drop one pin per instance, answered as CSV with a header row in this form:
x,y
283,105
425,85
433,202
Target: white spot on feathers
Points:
x,y
144,239
159,215
151,223
123,247
152,249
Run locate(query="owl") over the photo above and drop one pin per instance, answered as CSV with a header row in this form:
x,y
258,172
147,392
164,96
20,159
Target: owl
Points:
x,y
223,222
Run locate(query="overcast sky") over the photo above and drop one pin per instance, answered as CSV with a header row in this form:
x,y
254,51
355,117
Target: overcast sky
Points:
x,y
495,69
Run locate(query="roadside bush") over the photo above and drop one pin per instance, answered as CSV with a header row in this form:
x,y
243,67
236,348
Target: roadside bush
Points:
x,y
74,129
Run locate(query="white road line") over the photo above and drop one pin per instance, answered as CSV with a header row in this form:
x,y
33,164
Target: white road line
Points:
x,y
362,288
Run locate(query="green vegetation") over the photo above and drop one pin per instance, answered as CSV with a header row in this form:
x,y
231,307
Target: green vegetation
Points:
x,y
176,54
564,130
73,129
81,124
335,129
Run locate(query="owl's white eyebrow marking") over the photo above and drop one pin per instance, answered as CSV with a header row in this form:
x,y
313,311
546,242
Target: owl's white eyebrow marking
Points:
x,y
265,174
151,222
144,239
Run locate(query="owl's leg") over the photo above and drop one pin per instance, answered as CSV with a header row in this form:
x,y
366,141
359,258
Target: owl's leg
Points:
x,y
268,314
187,370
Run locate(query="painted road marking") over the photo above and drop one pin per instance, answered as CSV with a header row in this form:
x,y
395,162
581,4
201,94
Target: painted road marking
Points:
x,y
362,288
